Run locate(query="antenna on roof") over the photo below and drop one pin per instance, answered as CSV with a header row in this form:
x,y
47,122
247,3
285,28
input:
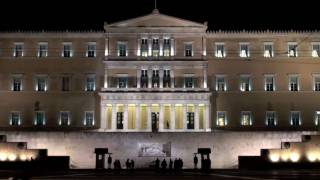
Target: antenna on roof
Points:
x,y
155,4
155,11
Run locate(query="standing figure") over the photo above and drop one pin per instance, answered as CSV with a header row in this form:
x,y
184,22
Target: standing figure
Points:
x,y
195,162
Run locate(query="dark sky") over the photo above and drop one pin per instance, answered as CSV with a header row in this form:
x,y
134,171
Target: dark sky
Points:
x,y
222,14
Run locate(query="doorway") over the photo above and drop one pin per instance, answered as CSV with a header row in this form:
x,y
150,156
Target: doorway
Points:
x,y
155,121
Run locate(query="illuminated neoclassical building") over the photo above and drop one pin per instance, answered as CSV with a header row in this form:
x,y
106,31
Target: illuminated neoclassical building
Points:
x,y
158,73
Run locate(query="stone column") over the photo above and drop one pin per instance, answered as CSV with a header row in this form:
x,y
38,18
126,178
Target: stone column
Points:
x,y
184,120
114,117
103,117
150,47
160,46
205,77
161,77
138,47
172,117
149,78
125,117
196,116
105,85
138,78
207,117
148,117
161,117
137,116
172,78
172,49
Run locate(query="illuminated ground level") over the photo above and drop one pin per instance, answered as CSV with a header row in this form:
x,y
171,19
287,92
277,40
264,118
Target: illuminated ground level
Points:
x,y
226,146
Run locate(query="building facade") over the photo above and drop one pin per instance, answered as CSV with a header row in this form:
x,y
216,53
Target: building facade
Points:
x,y
158,73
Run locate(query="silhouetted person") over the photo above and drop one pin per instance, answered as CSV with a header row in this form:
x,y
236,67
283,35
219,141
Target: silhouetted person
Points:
x,y
109,162
175,165
128,164
164,165
195,161
170,164
132,164
157,165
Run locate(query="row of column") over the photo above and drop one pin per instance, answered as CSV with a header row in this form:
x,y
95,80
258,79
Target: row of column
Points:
x,y
172,125
161,73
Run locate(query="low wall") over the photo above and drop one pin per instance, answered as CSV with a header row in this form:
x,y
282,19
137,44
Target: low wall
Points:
x,y
226,146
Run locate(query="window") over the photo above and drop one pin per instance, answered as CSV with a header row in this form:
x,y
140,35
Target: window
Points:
x,y
188,51
67,50
292,49
65,86
221,83
88,118
316,82
90,82
144,47
155,78
155,47
244,50
122,49
315,49
39,118
188,81
269,83
221,118
64,119
166,78
295,118
246,118
91,49
123,81
245,83
18,49
220,52
293,83
271,119
41,83
166,47
42,49
16,82
268,50
15,119
317,118
144,78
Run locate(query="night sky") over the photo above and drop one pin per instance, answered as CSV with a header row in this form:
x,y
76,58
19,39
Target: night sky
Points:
x,y
224,14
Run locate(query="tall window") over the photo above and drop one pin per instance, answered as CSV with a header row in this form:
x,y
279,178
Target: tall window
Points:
x,y
67,50
155,78
64,119
39,118
43,49
155,47
65,83
221,118
317,118
246,118
91,49
122,49
15,119
18,49
144,78
166,47
245,83
269,83
188,81
292,49
41,83
166,78
315,49
188,51
88,118
295,118
271,119
268,50
144,47
90,82
221,83
220,51
293,83
16,82
316,82
244,50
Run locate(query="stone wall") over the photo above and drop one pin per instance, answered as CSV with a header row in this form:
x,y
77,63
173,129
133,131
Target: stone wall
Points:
x,y
226,145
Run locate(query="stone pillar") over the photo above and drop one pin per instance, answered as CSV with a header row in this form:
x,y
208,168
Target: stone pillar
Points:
x,y
205,77
137,116
172,48
172,78
149,117
160,46
150,47
184,120
161,77
125,117
196,116
103,117
139,47
161,117
138,78
114,117
149,78
105,85
172,117
207,117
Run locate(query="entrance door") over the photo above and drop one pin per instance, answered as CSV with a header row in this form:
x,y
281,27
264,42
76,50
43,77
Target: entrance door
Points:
x,y
155,121
190,120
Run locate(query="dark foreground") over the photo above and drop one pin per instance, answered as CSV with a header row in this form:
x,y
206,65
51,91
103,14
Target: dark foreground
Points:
x,y
148,174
